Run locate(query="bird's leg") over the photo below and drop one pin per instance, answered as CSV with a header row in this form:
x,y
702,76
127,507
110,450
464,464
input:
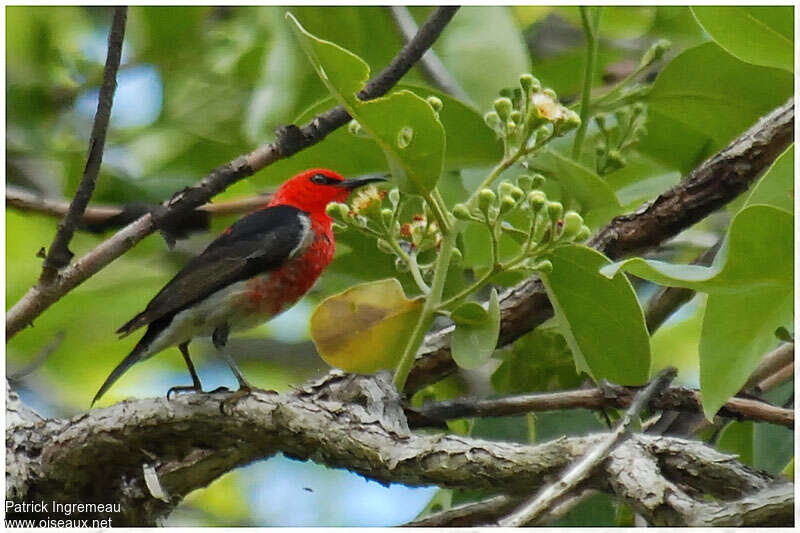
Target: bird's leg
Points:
x,y
196,386
220,339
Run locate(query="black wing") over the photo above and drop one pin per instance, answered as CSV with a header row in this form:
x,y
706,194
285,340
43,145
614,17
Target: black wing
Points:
x,y
257,243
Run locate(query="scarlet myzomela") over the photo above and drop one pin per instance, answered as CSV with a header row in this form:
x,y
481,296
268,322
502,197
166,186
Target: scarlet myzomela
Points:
x,y
257,268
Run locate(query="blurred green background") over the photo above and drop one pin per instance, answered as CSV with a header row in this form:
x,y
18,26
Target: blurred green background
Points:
x,y
199,86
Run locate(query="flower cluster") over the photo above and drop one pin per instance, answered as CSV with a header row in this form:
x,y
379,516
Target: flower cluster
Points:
x,y
530,116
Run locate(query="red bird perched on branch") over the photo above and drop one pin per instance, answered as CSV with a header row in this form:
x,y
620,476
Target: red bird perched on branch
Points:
x,y
257,268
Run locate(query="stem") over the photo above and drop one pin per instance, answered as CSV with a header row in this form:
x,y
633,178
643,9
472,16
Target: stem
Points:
x,y
428,311
413,267
590,28
437,205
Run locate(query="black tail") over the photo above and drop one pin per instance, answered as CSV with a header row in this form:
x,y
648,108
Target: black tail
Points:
x,y
134,357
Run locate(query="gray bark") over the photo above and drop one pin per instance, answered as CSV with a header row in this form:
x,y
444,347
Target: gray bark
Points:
x,y
356,423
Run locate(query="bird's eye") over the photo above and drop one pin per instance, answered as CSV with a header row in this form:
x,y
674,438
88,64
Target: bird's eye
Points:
x,y
319,179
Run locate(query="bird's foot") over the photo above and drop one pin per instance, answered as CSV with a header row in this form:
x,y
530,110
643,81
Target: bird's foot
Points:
x,y
243,391
191,388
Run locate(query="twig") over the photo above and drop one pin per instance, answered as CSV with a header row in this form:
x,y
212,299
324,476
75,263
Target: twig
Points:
x,y
38,360
710,186
778,378
667,299
771,363
431,65
59,254
468,514
535,507
291,139
611,397
106,216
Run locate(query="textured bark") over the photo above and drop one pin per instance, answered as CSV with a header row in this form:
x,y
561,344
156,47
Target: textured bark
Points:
x,y
352,422
707,188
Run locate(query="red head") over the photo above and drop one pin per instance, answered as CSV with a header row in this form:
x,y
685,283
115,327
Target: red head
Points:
x,y
314,189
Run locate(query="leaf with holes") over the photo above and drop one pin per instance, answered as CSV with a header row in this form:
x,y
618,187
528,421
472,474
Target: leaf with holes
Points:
x,y
404,125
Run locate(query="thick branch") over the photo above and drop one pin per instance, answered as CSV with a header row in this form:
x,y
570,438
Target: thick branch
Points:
x,y
707,188
291,139
344,421
59,254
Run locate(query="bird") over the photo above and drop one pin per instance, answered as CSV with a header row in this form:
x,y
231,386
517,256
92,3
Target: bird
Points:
x,y
257,268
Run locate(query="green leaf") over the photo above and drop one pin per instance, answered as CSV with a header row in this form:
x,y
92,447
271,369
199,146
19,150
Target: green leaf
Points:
x,y
717,94
477,330
757,254
776,186
364,329
737,438
750,286
738,329
600,317
539,361
404,125
761,35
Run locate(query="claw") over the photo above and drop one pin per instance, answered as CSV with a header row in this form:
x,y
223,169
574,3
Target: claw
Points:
x,y
233,398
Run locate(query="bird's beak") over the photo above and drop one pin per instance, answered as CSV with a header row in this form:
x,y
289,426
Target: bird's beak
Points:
x,y
354,183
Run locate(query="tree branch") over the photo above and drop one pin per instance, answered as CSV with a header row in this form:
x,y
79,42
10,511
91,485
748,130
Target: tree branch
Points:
x,y
290,139
59,254
707,188
609,397
344,421
102,217
431,65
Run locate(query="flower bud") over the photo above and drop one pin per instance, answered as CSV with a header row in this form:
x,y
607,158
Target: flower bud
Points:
x,y
486,198
555,210
538,181
551,94
507,203
536,199
516,117
573,223
394,197
337,211
583,234
525,182
492,120
461,212
505,188
529,84
435,103
503,107
386,216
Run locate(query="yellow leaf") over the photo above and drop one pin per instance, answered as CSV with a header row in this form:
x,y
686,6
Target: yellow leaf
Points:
x,y
364,329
